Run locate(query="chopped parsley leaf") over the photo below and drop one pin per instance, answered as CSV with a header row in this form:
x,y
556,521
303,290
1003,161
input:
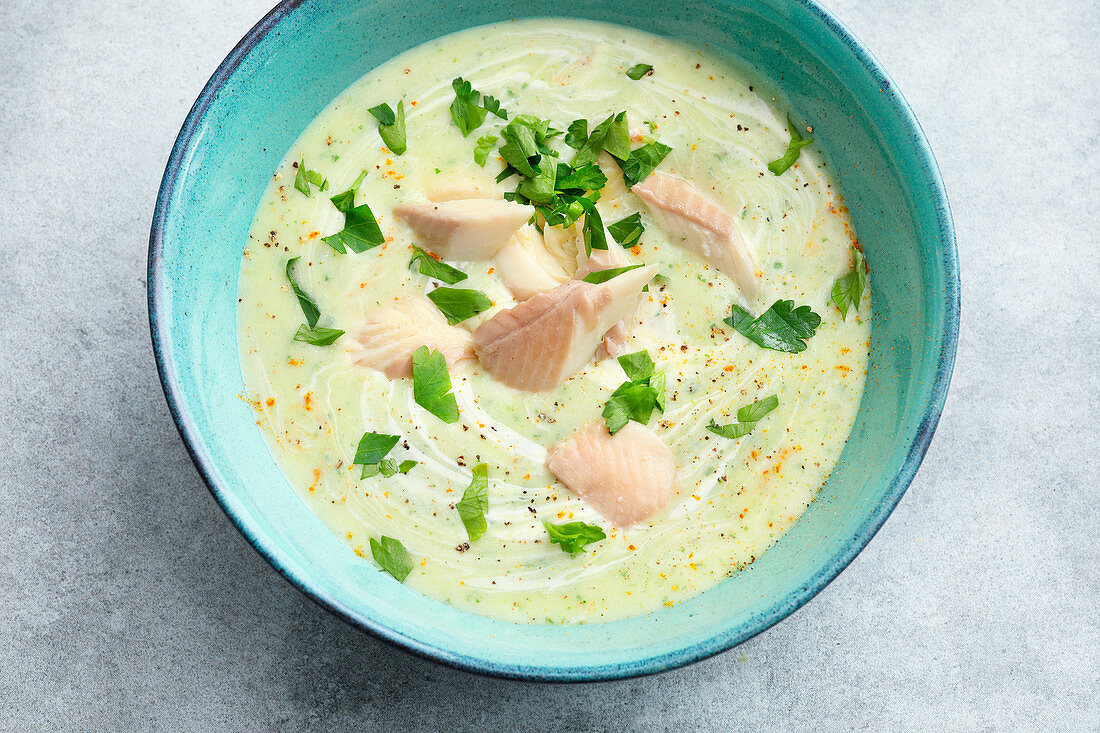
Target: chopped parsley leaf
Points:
x,y
474,504
627,231
360,233
371,455
638,398
540,187
611,135
794,149
483,147
304,177
309,308
747,418
391,126
848,289
432,385
431,267
586,178
346,199
469,108
573,536
781,328
642,161
638,365
317,336
458,304
392,556
492,104
594,237
577,134
637,71
389,467
521,145
602,276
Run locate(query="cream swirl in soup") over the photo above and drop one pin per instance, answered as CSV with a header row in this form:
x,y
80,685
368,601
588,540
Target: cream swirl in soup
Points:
x,y
629,425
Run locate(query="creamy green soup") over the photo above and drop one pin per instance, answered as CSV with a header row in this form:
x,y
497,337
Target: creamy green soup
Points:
x,y
734,497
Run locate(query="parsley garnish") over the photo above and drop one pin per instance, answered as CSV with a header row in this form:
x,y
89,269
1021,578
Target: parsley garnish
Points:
x,y
522,138
373,447
642,161
611,135
569,208
594,237
493,105
794,149
747,418
539,188
431,267
560,192
308,332
579,180
602,276
637,71
309,308
371,455
389,467
469,108
627,231
635,400
304,177
458,304
638,365
465,110
577,134
432,385
848,290
483,147
317,336
346,200
392,556
573,536
780,328
391,126
360,233
475,503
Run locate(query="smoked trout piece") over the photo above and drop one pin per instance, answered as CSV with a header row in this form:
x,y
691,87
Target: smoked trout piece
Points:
x,y
700,225
605,259
387,337
526,267
544,340
464,229
627,477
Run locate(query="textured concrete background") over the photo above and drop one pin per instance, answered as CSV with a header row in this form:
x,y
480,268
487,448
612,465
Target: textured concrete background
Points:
x,y
127,600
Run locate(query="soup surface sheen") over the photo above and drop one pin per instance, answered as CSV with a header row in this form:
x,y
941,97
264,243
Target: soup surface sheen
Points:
x,y
733,498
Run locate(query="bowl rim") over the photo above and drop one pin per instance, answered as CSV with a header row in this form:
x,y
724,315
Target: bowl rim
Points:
x,y
721,640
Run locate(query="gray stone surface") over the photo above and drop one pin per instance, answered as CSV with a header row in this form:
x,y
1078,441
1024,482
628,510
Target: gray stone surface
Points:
x,y
127,600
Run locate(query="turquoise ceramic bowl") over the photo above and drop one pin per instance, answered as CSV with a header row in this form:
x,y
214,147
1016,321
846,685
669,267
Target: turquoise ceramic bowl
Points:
x,y
304,53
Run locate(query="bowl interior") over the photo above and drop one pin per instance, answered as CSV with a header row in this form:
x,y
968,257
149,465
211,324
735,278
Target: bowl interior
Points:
x,y
297,59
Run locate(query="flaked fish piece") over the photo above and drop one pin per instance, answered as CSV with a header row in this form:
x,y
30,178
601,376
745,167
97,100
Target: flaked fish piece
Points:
x,y
605,259
601,259
700,225
615,186
547,338
452,189
563,244
526,267
627,477
464,229
388,337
